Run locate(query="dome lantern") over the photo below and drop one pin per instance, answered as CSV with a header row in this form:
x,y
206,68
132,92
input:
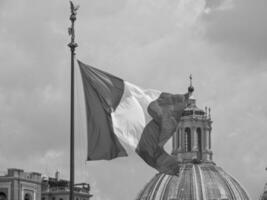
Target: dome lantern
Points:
x,y
192,140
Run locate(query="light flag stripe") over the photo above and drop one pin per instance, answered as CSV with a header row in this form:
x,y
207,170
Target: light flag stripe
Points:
x,y
131,116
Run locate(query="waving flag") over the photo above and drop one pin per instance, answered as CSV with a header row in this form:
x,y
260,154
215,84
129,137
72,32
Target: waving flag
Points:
x,y
119,112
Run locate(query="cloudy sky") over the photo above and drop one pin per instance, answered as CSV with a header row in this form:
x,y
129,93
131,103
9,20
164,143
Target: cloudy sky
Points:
x,y
152,43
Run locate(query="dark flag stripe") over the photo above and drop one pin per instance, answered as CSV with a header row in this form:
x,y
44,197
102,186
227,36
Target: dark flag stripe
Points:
x,y
102,95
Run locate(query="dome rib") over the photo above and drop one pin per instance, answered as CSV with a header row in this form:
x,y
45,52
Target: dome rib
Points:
x,y
166,187
146,193
199,183
157,185
161,187
243,192
228,184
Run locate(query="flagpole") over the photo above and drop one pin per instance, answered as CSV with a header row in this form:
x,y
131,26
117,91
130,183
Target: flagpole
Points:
x,y
72,45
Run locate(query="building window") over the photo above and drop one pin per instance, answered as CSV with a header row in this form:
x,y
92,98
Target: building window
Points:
x,y
3,196
43,198
187,139
27,196
199,139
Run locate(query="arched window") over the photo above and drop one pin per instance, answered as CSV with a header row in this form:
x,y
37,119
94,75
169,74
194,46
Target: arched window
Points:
x,y
27,196
187,139
199,139
178,138
209,141
3,196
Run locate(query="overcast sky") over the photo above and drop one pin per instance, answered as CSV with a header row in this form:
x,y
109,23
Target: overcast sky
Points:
x,y
152,43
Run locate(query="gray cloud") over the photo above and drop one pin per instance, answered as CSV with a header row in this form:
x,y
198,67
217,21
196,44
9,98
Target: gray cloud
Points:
x,y
240,29
131,39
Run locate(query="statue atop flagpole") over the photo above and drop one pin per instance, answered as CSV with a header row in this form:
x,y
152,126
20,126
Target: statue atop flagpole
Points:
x,y
71,29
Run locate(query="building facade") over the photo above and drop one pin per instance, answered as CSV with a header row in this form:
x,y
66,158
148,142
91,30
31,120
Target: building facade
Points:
x,y
16,184
58,189
199,177
19,185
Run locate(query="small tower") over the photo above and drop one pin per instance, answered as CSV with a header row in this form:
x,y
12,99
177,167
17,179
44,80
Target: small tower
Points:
x,y
192,139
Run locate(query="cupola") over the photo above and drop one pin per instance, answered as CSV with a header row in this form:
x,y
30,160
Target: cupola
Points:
x,y
192,139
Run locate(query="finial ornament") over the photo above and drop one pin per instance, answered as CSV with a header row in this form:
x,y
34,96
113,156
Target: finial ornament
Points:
x,y
73,10
190,88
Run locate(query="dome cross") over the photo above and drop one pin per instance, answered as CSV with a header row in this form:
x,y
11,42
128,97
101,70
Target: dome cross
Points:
x,y
190,88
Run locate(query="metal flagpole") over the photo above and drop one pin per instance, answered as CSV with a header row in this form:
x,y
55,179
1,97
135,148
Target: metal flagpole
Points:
x,y
72,45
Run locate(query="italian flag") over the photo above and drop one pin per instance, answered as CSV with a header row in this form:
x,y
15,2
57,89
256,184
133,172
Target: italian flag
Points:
x,y
121,113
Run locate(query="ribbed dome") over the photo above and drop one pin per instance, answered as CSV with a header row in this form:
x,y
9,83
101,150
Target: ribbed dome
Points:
x,y
203,181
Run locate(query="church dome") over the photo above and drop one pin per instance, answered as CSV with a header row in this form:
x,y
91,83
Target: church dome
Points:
x,y
195,181
199,177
